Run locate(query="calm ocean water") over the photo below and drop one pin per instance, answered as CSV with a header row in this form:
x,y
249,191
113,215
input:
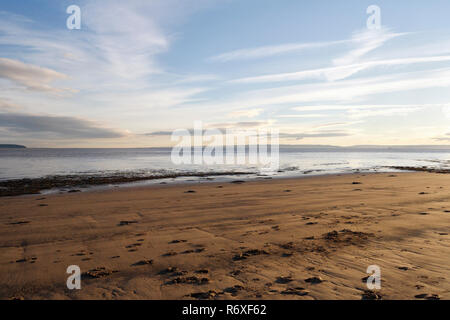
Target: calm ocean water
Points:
x,y
34,163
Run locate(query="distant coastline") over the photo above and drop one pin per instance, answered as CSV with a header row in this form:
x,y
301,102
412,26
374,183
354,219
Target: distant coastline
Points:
x,y
12,146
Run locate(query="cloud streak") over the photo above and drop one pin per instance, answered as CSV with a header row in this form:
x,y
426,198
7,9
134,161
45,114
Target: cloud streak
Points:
x,y
29,76
273,50
341,91
251,113
55,127
300,136
340,72
366,41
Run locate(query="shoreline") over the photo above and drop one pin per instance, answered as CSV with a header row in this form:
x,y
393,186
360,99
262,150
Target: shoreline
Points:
x,y
252,240
73,183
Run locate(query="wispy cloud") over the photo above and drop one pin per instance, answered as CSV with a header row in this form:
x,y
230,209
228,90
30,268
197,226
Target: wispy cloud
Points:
x,y
241,124
365,111
6,105
299,136
129,47
359,114
223,127
29,76
368,106
273,50
446,138
366,41
310,115
342,91
56,127
251,113
363,42
340,72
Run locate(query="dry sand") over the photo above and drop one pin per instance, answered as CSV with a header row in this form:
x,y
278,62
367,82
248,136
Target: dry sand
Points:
x,y
256,240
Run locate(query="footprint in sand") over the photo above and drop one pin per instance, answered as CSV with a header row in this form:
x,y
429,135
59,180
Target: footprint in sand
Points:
x,y
142,263
204,295
189,280
288,245
31,260
18,223
314,280
96,273
284,280
371,295
202,271
248,253
172,270
287,254
126,222
79,254
427,296
299,291
169,254
234,290
177,241
193,251
134,245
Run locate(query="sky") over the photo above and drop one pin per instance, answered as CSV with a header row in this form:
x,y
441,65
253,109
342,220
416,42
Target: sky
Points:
x,y
137,70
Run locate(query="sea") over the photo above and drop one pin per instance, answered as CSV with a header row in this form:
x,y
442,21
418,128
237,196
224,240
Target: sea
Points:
x,y
294,161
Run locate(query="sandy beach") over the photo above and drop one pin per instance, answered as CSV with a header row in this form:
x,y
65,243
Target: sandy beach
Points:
x,y
310,238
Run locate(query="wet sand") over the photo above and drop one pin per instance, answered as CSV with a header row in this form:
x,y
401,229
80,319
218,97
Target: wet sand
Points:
x,y
310,238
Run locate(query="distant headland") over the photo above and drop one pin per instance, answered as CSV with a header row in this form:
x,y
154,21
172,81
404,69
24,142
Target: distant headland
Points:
x,y
11,146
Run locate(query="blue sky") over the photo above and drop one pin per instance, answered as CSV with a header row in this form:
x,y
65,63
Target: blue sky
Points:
x,y
139,69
